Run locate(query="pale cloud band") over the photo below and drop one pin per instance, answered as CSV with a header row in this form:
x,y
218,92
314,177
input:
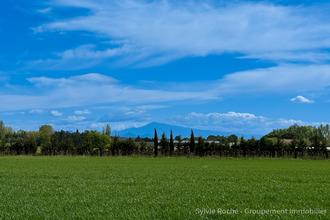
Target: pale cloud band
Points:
x,y
91,89
142,30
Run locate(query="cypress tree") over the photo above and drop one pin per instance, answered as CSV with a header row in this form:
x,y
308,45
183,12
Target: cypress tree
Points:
x,y
155,143
171,144
192,142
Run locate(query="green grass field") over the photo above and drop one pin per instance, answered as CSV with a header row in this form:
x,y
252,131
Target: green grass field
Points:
x,y
162,188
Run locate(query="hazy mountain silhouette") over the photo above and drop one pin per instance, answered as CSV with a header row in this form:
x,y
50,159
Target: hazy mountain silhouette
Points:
x,y
148,131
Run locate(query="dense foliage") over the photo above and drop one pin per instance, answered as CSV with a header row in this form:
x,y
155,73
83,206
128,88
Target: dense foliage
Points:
x,y
295,141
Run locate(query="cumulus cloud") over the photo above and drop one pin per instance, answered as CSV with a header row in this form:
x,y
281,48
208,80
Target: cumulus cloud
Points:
x,y
156,32
239,123
56,113
301,99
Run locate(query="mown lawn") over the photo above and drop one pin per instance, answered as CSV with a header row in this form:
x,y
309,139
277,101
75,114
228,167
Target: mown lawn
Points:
x,y
161,188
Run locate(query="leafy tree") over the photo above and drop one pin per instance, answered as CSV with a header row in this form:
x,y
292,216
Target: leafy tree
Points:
x,y
107,130
115,146
232,138
86,146
128,147
45,136
45,133
200,147
143,147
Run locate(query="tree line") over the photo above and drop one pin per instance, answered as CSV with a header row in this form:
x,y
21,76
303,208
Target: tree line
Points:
x,y
295,141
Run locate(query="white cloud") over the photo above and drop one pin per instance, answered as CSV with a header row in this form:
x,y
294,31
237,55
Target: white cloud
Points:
x,y
73,118
301,99
36,112
64,82
126,114
82,112
93,89
45,10
119,126
230,121
239,123
81,57
56,113
145,29
281,79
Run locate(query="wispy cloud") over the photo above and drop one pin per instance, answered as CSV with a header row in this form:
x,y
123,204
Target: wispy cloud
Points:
x,y
36,112
126,114
73,118
155,32
281,79
82,112
118,126
92,89
45,10
301,99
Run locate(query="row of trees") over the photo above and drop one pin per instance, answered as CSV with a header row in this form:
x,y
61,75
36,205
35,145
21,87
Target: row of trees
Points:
x,y
295,141
274,144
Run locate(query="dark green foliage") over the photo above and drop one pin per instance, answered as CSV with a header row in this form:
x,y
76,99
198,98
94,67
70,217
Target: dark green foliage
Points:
x,y
128,147
155,143
179,145
164,146
171,143
200,148
310,142
192,142
143,147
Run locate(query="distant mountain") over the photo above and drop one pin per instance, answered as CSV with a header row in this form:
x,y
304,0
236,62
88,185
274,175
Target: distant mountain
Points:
x,y
148,131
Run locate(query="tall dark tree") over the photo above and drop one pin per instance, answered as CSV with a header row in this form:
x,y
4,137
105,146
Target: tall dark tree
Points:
x,y
200,147
164,144
171,143
179,140
115,146
155,143
192,142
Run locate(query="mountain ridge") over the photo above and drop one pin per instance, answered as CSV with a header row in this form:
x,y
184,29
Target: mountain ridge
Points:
x,y
148,131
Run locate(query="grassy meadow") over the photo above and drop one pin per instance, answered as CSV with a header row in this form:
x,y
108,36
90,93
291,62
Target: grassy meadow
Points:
x,y
162,188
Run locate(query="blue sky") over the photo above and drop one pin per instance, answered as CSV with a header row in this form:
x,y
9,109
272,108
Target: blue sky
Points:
x,y
245,67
